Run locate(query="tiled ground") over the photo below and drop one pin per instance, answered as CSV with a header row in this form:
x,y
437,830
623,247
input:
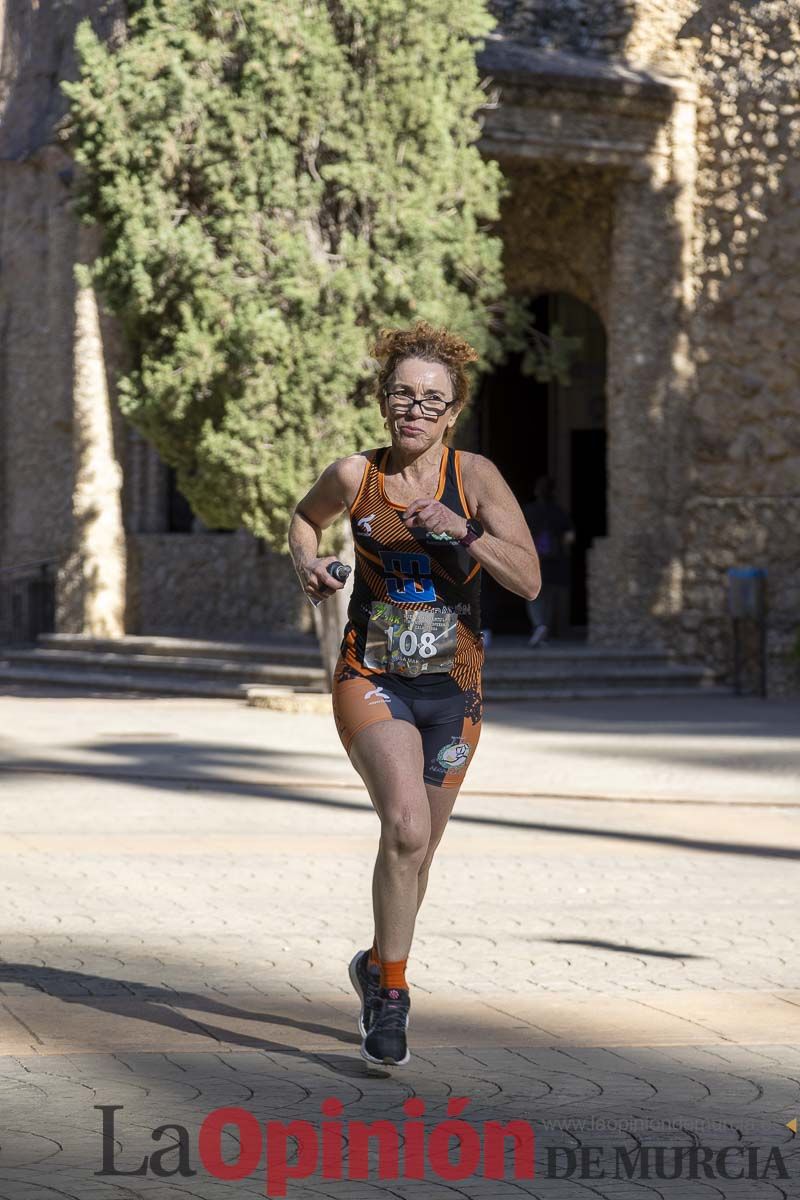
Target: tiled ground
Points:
x,y
180,894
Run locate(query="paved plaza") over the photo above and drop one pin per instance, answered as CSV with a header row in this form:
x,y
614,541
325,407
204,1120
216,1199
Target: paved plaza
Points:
x,y
608,949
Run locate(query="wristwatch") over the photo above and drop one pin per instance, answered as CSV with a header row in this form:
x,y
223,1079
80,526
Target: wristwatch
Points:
x,y
474,531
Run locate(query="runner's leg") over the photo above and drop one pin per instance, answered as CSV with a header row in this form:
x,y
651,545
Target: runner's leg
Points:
x,y
450,734
441,801
388,757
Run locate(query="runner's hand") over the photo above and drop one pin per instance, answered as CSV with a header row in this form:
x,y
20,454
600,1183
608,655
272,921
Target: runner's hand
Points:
x,y
435,517
317,583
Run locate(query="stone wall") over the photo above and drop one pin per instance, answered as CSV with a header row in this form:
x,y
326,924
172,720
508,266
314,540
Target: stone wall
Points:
x,y
38,248
722,532
745,434
724,455
601,158
597,27
556,225
639,31
37,240
224,585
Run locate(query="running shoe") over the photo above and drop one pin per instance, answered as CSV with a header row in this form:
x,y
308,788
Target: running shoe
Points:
x,y
385,1044
366,981
539,635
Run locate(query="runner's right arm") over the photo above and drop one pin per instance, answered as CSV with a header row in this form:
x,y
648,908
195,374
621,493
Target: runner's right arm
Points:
x,y
329,497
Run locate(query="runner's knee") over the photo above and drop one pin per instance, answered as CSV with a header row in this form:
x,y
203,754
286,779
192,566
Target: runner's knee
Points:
x,y
405,834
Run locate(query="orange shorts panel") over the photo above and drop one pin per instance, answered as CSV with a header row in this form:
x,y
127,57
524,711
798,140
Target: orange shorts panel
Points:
x,y
448,719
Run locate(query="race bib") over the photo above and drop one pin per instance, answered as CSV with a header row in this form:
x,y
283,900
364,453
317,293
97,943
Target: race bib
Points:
x,y
410,641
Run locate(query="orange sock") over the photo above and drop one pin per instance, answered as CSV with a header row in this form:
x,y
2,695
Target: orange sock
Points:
x,y
374,958
393,974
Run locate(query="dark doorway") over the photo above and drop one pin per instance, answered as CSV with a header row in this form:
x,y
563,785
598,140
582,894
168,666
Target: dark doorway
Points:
x,y
587,509
530,429
180,517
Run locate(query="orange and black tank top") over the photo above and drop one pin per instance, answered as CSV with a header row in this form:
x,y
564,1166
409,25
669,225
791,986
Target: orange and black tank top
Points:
x,y
412,568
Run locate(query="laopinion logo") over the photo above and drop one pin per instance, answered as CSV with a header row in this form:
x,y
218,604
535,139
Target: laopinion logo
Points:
x,y
453,1149
297,1149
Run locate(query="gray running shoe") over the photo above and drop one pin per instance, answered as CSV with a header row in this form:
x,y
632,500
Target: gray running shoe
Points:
x,y
385,1044
366,983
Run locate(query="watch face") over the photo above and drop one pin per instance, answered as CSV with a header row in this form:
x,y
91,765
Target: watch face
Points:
x,y
474,531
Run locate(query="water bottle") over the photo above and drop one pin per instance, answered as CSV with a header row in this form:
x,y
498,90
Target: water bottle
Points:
x,y
339,571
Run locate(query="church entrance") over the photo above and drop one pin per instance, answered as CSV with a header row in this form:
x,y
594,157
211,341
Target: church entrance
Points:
x,y
529,429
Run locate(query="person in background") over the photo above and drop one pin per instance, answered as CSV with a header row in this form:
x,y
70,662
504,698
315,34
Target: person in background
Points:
x,y
552,531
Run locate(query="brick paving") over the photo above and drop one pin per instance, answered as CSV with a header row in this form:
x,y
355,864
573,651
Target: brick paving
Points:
x,y
183,883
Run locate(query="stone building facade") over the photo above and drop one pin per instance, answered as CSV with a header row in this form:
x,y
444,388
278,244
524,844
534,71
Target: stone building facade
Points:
x,y
654,203
653,148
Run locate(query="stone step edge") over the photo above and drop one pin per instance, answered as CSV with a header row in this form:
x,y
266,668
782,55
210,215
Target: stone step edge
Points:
x,y
159,646
292,699
106,683
620,692
287,701
162,646
156,662
534,673
501,684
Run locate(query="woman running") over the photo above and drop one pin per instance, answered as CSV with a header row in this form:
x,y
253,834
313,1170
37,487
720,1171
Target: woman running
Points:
x,y
407,687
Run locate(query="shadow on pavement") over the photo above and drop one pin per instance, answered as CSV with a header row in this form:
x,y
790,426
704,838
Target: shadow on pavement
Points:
x,y
139,1001
143,772
619,948
668,716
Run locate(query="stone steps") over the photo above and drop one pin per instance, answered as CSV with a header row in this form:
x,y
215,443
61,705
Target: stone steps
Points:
x,y
294,649
120,683
189,667
281,667
552,671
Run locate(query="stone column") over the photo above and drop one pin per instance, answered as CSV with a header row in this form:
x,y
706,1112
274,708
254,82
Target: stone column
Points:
x,y
635,573
91,584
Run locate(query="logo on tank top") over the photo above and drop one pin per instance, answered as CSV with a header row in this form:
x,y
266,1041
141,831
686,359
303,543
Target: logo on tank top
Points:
x,y
408,577
364,524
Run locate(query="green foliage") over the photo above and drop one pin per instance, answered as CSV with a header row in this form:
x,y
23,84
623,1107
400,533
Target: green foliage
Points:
x,y
545,356
275,181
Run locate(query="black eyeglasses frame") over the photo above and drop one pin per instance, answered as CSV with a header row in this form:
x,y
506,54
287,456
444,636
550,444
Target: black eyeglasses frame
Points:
x,y
412,400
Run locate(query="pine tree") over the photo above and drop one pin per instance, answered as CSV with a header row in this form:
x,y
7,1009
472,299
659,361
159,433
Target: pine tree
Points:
x,y
275,180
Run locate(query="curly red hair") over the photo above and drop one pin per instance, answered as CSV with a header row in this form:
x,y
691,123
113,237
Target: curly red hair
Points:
x,y
432,344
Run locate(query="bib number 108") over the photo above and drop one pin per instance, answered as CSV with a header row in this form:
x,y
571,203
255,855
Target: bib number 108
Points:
x,y
408,643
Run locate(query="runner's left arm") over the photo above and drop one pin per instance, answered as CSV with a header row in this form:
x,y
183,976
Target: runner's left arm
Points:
x,y
506,549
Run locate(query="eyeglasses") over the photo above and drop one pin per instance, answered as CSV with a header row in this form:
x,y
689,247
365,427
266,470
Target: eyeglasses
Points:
x,y
429,406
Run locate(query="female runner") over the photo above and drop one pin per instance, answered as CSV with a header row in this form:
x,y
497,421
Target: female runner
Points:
x,y
407,701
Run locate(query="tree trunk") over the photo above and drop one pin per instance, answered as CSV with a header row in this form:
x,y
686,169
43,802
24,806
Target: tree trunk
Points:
x,y
331,615
92,580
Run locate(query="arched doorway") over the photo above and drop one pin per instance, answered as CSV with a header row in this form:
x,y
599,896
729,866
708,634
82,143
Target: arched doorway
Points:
x,y
530,429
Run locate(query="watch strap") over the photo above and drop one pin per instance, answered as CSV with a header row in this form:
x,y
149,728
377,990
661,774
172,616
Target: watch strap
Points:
x,y
474,531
